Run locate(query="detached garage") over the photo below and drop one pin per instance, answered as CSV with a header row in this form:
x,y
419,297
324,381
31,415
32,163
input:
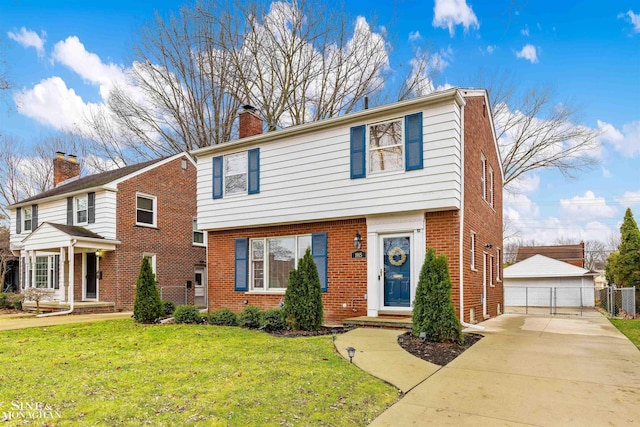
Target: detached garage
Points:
x,y
540,281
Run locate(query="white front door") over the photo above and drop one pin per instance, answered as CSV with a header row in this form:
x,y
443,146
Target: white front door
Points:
x,y
396,260
200,288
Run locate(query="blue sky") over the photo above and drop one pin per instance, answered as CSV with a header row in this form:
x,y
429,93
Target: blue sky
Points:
x,y
587,51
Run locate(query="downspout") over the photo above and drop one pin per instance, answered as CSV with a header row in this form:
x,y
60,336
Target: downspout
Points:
x,y
461,234
71,286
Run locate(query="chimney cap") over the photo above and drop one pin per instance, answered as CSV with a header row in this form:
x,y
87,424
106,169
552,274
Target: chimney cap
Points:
x,y
60,154
72,158
248,107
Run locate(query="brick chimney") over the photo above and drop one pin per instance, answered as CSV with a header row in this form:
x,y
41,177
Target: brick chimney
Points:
x,y
64,168
250,123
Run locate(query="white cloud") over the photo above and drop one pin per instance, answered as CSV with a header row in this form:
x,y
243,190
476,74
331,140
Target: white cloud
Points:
x,y
424,66
415,36
529,53
28,38
444,87
634,18
491,48
449,13
525,31
525,184
587,207
629,198
626,141
606,173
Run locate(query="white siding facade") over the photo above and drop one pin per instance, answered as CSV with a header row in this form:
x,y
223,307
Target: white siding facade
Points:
x,y
305,175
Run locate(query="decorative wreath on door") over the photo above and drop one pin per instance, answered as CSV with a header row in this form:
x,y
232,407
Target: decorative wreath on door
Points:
x,y
397,252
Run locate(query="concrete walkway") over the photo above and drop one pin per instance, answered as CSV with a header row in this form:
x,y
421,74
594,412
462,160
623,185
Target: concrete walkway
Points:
x,y
535,371
9,322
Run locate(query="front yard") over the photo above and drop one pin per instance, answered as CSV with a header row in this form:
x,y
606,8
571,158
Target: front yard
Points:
x,y
630,328
120,373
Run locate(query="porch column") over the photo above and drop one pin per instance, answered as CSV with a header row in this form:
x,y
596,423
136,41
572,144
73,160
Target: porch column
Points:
x,y
71,272
374,281
32,261
61,272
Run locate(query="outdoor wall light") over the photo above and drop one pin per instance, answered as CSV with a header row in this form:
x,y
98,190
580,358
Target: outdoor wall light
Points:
x,y
357,241
423,336
488,246
99,253
351,352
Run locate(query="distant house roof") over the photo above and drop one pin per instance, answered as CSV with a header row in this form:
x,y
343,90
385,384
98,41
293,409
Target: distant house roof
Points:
x,y
90,181
572,254
542,266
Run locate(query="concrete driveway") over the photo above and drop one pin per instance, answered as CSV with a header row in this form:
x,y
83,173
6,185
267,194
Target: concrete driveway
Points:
x,y
538,371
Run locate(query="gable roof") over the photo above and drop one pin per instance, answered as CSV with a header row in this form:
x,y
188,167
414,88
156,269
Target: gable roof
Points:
x,y
75,231
542,266
89,181
559,252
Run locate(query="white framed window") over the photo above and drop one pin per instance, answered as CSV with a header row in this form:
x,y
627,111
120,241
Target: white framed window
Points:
x,y
27,221
491,261
198,235
386,146
491,186
82,206
45,275
273,258
146,210
235,173
152,259
472,251
498,264
483,178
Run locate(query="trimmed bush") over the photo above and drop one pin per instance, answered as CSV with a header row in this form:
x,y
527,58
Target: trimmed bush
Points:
x,y
187,314
303,299
433,310
223,317
250,317
168,307
147,307
273,320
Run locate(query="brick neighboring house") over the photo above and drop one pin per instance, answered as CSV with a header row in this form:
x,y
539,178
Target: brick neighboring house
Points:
x,y
571,254
85,238
403,177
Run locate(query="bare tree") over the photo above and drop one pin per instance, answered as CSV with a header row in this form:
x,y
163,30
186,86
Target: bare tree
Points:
x,y
535,131
5,254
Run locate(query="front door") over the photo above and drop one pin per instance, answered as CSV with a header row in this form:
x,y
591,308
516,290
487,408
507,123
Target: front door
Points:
x,y
200,293
90,278
396,277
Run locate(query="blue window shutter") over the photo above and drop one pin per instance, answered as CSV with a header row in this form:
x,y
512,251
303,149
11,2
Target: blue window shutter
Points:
x,y
319,252
91,208
69,210
217,177
34,217
241,271
18,220
413,141
56,272
358,152
254,170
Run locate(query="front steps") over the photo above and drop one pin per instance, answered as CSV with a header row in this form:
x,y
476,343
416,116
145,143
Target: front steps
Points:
x,y
386,322
80,307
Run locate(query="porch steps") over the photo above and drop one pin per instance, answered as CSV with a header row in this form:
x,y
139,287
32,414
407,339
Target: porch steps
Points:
x,y
386,322
80,307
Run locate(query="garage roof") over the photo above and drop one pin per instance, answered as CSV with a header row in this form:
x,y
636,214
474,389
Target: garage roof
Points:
x,y
542,266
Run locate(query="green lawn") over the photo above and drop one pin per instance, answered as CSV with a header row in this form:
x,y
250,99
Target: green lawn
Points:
x,y
118,373
630,328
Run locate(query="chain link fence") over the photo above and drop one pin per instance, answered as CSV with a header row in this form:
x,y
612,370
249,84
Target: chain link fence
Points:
x,y
549,300
619,302
176,294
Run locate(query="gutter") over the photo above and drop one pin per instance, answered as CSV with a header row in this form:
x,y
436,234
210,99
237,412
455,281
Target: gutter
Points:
x,y
461,237
71,296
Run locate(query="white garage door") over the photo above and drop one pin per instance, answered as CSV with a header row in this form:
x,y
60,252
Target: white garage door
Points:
x,y
559,292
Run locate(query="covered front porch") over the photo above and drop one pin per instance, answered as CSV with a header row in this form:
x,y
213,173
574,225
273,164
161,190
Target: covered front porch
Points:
x,y
65,261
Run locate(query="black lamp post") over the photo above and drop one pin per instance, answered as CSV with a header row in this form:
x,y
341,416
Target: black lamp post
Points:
x,y
423,336
351,352
334,332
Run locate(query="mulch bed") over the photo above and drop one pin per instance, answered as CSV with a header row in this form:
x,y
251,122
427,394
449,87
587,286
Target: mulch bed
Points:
x,y
439,353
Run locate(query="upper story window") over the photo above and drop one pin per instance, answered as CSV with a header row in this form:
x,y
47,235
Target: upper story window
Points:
x,y
81,209
473,251
27,219
237,173
386,146
272,259
198,235
491,186
146,210
483,179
